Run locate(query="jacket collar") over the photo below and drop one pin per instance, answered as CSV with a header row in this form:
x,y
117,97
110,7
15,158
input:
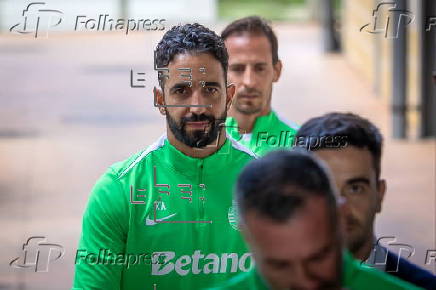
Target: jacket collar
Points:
x,y
187,165
262,123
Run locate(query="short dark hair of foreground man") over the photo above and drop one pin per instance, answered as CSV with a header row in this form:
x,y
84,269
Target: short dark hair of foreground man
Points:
x,y
356,169
289,216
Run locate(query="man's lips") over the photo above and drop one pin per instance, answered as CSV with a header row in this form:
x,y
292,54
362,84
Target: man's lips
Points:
x,y
198,124
247,96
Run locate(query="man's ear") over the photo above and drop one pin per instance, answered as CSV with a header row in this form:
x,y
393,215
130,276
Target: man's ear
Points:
x,y
159,100
381,190
230,92
277,70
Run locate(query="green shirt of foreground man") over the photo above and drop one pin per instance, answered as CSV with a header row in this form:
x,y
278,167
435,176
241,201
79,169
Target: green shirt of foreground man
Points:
x,y
355,276
254,66
291,219
164,218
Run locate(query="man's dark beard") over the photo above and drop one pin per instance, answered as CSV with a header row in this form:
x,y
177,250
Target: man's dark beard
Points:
x,y
198,138
358,242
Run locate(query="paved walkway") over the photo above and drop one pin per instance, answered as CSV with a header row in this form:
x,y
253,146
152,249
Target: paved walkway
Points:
x,y
67,112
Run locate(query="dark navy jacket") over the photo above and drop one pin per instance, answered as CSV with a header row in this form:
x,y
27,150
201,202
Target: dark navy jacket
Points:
x,y
409,272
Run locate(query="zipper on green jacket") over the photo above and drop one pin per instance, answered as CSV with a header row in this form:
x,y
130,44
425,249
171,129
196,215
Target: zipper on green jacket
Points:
x,y
201,197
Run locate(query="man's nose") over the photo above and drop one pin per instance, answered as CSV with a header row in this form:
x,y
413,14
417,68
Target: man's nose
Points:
x,y
198,104
249,78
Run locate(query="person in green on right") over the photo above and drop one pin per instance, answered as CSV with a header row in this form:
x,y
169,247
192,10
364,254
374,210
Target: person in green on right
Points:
x,y
254,66
290,216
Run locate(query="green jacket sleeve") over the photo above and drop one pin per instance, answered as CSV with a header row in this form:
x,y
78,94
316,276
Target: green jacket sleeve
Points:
x,y
104,230
364,277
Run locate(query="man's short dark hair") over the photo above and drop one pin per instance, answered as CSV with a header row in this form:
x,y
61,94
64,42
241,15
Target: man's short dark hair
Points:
x,y
253,25
192,39
279,184
358,132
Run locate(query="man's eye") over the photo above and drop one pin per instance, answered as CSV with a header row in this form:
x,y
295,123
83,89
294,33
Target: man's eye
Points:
x,y
237,68
180,91
211,90
355,189
260,68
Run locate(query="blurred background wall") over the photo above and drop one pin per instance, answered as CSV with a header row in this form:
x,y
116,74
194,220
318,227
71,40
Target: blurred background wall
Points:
x,y
372,54
174,11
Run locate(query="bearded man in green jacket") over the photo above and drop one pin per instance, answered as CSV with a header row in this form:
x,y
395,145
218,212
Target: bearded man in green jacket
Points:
x,y
164,218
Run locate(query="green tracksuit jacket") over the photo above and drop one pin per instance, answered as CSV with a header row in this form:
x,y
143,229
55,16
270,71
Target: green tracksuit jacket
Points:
x,y
269,132
355,276
163,220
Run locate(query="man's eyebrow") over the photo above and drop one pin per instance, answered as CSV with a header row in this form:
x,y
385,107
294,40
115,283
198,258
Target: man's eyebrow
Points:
x,y
212,84
244,64
357,180
180,85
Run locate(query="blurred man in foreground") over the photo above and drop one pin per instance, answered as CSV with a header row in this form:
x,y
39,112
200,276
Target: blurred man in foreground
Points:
x,y
290,219
168,201
356,170
254,66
